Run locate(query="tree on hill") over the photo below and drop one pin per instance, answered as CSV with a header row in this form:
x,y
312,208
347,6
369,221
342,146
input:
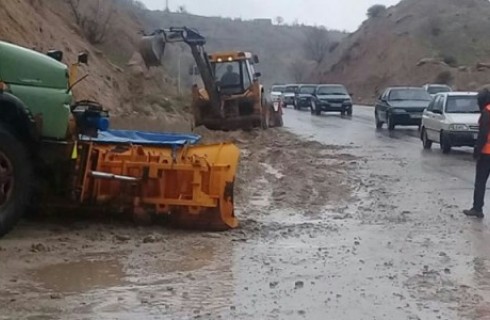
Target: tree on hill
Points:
x,y
94,17
279,20
376,11
182,9
300,70
317,44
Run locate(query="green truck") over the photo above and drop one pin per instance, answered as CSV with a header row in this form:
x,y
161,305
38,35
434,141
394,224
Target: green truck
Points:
x,y
39,123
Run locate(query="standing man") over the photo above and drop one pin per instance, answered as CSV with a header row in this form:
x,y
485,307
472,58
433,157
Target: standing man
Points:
x,y
482,155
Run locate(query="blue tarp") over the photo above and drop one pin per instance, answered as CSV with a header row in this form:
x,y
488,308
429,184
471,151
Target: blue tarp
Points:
x,y
145,138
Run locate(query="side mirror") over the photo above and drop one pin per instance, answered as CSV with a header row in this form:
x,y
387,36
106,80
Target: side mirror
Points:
x,y
257,75
437,111
351,94
256,59
55,54
83,58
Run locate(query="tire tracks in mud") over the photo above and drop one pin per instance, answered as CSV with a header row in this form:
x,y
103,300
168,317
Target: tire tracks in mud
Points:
x,y
281,171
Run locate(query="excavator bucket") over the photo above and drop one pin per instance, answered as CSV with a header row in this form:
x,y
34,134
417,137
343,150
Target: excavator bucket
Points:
x,y
192,185
152,49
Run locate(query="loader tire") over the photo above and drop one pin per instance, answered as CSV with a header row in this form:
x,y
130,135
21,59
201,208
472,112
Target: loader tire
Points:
x,y
265,123
266,115
15,180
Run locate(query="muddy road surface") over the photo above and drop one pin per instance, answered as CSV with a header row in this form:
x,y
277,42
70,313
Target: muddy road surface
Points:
x,y
338,221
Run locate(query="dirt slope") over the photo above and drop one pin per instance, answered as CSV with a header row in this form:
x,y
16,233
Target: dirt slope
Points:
x,y
449,35
117,78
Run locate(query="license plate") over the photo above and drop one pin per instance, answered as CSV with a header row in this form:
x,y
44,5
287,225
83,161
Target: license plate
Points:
x,y
336,105
416,116
475,136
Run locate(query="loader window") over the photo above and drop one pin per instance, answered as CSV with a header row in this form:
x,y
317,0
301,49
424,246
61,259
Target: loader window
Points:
x,y
228,74
248,74
233,76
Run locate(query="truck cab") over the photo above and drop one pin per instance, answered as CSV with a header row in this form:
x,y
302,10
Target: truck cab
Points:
x,y
36,86
39,128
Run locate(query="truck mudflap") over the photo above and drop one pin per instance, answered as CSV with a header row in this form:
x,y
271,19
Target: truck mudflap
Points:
x,y
192,185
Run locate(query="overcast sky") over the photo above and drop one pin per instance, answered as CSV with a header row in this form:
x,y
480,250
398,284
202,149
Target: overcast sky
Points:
x,y
334,14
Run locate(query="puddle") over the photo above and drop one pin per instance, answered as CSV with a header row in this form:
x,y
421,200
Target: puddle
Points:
x,y
80,276
272,171
193,259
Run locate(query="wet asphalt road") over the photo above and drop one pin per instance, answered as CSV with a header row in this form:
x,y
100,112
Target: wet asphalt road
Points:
x,y
399,249
359,130
420,257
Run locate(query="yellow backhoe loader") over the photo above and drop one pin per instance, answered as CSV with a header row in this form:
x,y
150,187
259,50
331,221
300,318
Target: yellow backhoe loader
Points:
x,y
233,97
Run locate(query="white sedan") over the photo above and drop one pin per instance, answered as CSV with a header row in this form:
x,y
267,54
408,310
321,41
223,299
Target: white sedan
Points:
x,y
451,120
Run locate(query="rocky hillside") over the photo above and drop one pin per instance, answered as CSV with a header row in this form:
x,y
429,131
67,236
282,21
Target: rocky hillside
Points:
x,y
278,46
416,42
117,78
109,30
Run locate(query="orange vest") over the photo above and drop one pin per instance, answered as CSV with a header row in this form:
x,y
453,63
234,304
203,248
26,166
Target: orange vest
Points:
x,y
486,147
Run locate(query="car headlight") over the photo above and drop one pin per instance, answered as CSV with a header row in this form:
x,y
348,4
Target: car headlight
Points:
x,y
459,127
347,102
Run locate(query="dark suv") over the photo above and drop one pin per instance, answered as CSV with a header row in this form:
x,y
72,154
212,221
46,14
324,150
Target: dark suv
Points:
x,y
331,97
401,106
304,96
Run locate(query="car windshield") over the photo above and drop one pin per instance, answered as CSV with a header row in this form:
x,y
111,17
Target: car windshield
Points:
x,y
409,94
438,89
307,89
280,89
332,90
291,89
462,104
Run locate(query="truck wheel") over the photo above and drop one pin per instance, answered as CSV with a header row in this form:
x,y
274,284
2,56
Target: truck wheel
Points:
x,y
15,180
349,111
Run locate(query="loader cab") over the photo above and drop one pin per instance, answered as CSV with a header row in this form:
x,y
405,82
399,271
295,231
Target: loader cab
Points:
x,y
234,72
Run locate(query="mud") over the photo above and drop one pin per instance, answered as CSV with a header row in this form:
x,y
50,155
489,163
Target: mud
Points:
x,y
338,221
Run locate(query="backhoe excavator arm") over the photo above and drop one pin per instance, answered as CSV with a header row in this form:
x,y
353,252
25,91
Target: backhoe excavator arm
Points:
x,y
152,49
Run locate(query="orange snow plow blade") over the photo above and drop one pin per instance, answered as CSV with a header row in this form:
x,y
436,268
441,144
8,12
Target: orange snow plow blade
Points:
x,y
192,185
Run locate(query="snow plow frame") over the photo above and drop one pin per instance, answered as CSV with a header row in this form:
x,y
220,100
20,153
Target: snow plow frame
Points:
x,y
191,184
